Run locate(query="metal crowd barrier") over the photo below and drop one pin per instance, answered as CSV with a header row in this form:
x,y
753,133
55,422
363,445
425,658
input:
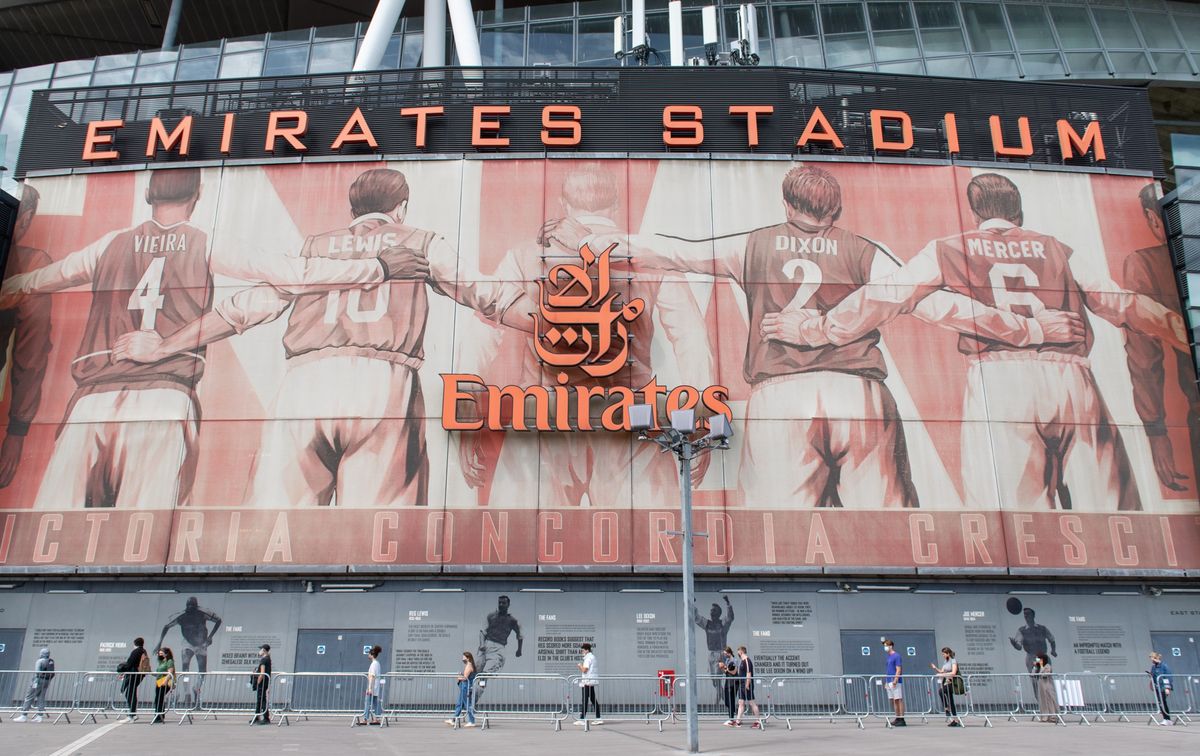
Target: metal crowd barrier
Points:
x,y
708,708
1081,695
211,694
919,695
1186,697
626,698
57,697
824,697
316,694
420,696
1005,696
536,698
1127,695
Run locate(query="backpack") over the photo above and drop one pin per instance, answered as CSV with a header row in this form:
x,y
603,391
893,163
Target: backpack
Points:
x,y
46,674
144,663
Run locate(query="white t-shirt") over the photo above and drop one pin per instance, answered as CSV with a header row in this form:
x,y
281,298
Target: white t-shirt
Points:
x,y
377,670
591,677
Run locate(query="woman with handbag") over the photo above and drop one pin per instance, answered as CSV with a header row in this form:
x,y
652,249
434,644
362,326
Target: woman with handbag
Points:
x,y
164,680
949,684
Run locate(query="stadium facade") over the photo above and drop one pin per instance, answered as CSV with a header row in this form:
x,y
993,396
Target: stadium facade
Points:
x,y
348,357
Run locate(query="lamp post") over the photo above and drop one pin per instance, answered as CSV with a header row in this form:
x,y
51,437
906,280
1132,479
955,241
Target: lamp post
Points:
x,y
680,439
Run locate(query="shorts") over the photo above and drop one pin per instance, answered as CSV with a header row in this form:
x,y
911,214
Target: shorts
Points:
x,y
895,692
745,694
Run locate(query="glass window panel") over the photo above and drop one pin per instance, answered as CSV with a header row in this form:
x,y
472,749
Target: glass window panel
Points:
x,y
340,31
1115,28
1189,26
286,61
658,29
108,62
937,15
1087,64
943,41
1030,27
844,50
551,43
332,56
996,66
153,74
243,44
796,40
1185,149
151,57
108,78
555,10
200,49
505,15
73,67
907,67
1130,63
200,69
595,42
1046,64
896,45
1157,30
66,82
6,78
505,46
13,125
241,66
985,27
887,16
608,8
391,54
843,18
410,53
290,37
1183,176
1074,27
1172,63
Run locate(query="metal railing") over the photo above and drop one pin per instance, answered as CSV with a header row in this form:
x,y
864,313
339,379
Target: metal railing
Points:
x,y
1085,698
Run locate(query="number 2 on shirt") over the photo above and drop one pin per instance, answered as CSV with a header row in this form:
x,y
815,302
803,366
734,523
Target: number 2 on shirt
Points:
x,y
146,294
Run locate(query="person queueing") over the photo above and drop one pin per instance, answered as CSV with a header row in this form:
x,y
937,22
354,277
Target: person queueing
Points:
x,y
587,685
466,685
745,690
132,671
946,676
261,679
164,680
729,666
1160,676
895,682
372,700
43,673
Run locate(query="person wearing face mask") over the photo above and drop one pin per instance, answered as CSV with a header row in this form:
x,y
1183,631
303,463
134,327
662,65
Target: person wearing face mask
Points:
x,y
261,682
894,682
948,679
164,680
466,683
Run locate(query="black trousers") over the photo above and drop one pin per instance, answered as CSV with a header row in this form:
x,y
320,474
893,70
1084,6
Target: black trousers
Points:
x,y
589,694
260,703
130,685
946,692
731,698
1163,707
160,699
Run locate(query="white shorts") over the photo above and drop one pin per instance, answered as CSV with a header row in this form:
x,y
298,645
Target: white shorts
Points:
x,y
842,444
1054,441
357,438
130,448
895,692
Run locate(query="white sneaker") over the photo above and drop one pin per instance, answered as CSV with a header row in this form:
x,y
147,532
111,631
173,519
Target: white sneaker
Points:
x,y
1167,722
38,718
469,724
579,722
450,722
125,718
597,721
21,718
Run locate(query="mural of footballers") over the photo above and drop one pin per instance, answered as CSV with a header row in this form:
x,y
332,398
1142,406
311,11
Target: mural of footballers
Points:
x,y
1079,460
365,447
843,444
27,329
152,279
1148,271
197,637
716,636
572,466
493,640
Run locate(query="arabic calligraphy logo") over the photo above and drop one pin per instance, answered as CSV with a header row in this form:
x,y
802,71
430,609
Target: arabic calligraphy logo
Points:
x,y
582,323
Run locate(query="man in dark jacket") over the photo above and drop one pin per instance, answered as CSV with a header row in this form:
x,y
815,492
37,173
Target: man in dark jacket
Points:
x,y
131,676
1160,674
261,680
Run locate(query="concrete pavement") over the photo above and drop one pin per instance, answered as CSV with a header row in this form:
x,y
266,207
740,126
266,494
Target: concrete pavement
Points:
x,y
231,735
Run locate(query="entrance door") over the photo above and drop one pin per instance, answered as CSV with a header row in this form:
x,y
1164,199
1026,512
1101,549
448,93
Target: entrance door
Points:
x,y
335,651
10,658
1181,651
862,651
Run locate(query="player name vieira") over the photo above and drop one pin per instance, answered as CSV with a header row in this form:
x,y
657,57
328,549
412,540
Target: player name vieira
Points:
x,y
493,126
470,404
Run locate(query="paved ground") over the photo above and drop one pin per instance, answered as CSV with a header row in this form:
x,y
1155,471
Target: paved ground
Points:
x,y
229,736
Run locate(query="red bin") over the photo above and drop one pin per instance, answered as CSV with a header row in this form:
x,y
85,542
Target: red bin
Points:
x,y
666,682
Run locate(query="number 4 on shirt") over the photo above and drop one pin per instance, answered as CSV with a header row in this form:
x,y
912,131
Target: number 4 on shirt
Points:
x,y
146,294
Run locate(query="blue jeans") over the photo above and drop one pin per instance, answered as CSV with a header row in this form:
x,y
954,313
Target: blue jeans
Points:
x,y
372,706
464,701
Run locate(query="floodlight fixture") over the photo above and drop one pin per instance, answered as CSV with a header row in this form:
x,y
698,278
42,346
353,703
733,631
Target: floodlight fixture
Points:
x,y
641,417
684,421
